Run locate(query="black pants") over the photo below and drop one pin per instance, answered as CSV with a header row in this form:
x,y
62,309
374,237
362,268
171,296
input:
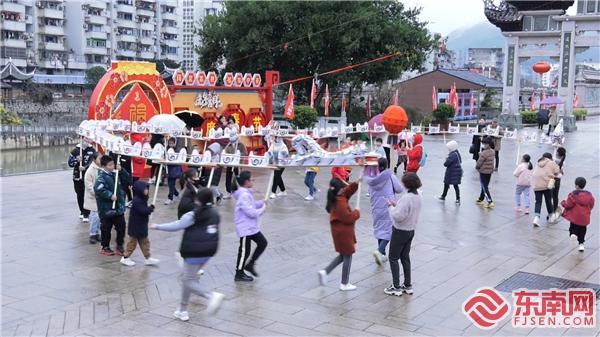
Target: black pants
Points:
x,y
555,193
456,191
484,180
547,195
229,176
244,250
540,126
549,129
278,181
387,155
79,186
579,231
400,249
127,190
497,152
106,227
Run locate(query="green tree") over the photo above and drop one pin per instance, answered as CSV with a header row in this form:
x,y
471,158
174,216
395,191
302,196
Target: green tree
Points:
x,y
443,112
301,38
488,98
162,63
8,117
304,117
93,75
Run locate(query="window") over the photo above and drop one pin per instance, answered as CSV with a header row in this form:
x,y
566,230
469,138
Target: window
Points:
x,y
527,22
16,53
554,25
540,23
96,43
591,6
580,4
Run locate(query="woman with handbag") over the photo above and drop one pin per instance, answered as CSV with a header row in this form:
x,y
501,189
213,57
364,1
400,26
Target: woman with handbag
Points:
x,y
543,181
383,185
199,243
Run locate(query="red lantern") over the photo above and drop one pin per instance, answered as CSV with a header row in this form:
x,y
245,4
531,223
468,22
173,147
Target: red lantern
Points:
x,y
394,119
541,67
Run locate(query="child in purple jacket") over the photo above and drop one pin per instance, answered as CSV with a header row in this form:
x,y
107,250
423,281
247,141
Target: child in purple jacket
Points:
x,y
247,211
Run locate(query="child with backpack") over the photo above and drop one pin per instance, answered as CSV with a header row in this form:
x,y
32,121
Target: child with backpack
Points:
x,y
523,173
247,212
577,209
199,243
342,220
416,155
138,225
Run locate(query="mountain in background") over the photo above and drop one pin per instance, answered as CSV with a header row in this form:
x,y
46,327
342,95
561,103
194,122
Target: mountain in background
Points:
x,y
480,35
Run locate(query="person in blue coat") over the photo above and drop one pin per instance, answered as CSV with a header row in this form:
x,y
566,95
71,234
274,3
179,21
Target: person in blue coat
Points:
x,y
454,171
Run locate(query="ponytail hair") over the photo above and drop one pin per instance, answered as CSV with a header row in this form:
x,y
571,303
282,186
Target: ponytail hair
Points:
x,y
562,153
204,201
527,159
335,185
187,175
240,180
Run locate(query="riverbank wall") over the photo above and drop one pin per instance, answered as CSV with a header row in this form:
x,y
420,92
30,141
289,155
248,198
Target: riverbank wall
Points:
x,y
25,137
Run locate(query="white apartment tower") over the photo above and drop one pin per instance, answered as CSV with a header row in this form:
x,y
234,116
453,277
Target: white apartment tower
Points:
x,y
194,13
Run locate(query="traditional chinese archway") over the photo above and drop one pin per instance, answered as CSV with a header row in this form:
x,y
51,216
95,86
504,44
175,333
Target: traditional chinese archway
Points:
x,y
136,106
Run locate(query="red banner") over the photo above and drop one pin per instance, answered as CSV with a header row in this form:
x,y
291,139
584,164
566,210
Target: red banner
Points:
x,y
289,106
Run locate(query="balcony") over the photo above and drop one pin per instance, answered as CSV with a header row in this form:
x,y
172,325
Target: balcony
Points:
x,y
126,38
17,26
147,26
51,64
145,12
147,55
51,13
52,46
72,64
14,43
169,16
16,62
147,41
125,23
97,35
95,19
126,53
52,30
96,4
170,30
12,7
95,51
170,43
126,8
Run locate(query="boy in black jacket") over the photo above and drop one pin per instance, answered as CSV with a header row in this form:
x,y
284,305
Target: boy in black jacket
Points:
x,y
138,225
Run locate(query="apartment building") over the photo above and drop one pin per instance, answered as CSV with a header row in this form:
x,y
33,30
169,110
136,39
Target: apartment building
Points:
x,y
193,13
67,37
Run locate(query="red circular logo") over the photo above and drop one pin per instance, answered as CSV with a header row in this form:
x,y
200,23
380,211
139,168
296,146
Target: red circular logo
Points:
x,y
486,308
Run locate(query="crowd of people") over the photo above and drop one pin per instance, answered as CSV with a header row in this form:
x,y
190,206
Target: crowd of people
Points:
x,y
104,183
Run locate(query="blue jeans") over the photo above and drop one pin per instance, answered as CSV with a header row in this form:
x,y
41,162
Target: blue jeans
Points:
x,y
382,243
172,189
94,223
309,181
523,190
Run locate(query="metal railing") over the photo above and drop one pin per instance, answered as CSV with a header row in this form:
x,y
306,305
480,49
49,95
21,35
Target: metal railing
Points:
x,y
54,130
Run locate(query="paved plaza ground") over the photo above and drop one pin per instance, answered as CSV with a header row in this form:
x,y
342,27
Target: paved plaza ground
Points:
x,y
55,283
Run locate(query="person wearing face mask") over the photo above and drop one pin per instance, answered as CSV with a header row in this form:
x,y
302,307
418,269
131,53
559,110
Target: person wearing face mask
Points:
x,y
79,159
190,185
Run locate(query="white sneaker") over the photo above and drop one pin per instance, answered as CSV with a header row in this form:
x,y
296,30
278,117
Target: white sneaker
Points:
x,y
282,194
322,277
536,221
201,272
127,261
182,315
80,216
573,240
347,287
168,202
377,256
151,181
85,220
367,194
215,302
129,204
273,196
554,217
384,258
178,259
581,248
151,261
309,198
227,196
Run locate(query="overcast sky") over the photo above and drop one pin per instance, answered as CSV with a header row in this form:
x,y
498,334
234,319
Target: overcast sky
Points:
x,y
445,16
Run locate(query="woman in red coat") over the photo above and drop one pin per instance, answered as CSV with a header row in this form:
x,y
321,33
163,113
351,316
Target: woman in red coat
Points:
x,y
415,153
342,220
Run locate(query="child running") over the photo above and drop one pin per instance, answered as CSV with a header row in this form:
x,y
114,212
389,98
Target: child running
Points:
x,y
342,220
523,173
309,181
138,225
247,212
405,214
577,209
199,243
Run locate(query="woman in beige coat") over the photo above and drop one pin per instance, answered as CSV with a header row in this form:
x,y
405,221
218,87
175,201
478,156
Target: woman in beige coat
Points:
x,y
544,172
485,166
89,201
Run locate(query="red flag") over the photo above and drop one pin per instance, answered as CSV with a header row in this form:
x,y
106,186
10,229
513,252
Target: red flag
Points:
x,y
326,99
343,102
454,97
576,101
313,94
434,98
369,106
288,112
472,104
532,103
396,98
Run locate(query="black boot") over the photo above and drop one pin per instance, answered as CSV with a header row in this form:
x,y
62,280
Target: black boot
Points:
x,y
240,276
93,240
250,268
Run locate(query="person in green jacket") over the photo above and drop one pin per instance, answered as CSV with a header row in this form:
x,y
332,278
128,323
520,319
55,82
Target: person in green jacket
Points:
x,y
111,206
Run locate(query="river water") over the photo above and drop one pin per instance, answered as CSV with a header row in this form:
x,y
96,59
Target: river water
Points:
x,y
23,161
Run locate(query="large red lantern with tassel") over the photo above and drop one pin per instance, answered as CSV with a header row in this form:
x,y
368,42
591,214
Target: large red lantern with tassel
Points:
x,y
394,119
541,67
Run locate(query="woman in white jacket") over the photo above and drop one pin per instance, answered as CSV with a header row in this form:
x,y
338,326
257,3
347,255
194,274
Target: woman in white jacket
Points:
x,y
89,201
